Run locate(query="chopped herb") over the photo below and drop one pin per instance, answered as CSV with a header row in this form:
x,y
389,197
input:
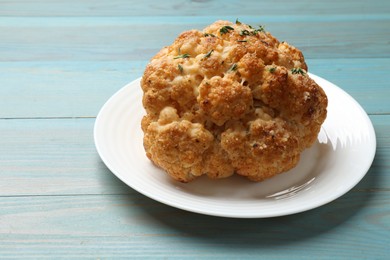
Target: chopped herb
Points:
x,y
185,55
180,68
272,70
209,34
244,32
242,41
252,32
265,43
256,31
261,28
225,29
298,71
208,54
233,67
237,21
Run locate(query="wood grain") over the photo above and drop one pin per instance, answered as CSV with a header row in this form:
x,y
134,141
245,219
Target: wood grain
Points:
x,y
188,8
58,157
61,60
123,39
42,157
61,89
133,225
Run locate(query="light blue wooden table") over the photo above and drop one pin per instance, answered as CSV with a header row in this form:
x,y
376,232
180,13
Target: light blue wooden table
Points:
x,y
61,60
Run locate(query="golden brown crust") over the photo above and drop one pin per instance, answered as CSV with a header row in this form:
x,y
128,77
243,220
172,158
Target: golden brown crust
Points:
x,y
229,99
223,99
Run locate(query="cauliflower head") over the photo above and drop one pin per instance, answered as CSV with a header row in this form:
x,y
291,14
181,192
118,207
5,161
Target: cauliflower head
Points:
x,y
230,99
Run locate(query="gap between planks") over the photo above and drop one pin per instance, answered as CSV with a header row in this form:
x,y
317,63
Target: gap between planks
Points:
x,y
93,117
354,190
50,117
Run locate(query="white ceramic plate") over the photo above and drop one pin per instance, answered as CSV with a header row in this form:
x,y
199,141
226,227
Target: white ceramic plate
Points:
x,y
332,166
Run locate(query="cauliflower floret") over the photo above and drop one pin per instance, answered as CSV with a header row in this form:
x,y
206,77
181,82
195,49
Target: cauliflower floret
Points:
x,y
230,99
261,149
177,146
223,99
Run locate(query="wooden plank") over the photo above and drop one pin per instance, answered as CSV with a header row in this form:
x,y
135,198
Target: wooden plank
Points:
x,y
376,178
363,79
194,7
124,39
355,226
61,89
41,157
58,157
57,198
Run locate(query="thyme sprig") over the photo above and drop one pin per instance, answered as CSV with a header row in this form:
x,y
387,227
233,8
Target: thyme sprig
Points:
x,y
298,71
180,68
208,34
244,32
225,29
208,54
253,32
272,70
185,55
256,31
233,67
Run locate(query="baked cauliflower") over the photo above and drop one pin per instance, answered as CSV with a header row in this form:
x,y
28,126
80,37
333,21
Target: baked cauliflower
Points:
x,y
229,99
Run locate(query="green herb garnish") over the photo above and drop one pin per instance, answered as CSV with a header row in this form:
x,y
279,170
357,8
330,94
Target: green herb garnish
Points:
x,y
225,29
272,70
266,43
256,31
180,68
233,67
298,71
244,32
242,41
208,54
208,34
237,21
185,55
